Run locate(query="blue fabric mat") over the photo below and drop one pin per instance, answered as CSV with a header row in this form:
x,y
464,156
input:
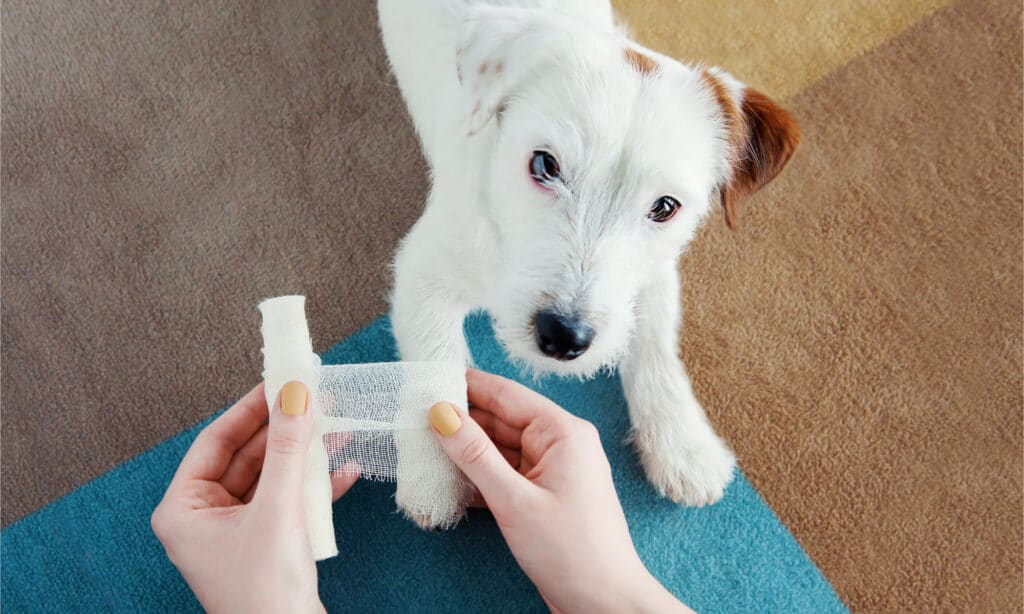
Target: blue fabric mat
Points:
x,y
93,549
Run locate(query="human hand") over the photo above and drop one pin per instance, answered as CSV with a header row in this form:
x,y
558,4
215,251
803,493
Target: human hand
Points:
x,y
547,481
232,520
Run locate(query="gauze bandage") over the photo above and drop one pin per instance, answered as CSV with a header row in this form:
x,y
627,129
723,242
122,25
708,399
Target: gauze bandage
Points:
x,y
373,415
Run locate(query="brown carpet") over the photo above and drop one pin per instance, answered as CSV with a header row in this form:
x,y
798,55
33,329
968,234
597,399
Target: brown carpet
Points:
x,y
164,169
859,337
858,340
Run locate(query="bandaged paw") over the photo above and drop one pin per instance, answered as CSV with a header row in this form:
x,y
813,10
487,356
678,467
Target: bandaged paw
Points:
x,y
373,416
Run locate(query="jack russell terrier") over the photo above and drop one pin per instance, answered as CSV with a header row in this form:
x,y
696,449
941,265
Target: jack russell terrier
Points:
x,y
570,167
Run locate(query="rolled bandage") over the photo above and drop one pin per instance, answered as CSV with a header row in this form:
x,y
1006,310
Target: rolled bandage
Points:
x,y
370,415
288,356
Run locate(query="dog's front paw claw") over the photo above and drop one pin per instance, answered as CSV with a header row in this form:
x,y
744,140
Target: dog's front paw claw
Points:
x,y
430,510
689,473
431,520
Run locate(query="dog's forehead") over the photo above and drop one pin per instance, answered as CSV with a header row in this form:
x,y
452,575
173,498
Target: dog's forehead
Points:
x,y
633,112
674,124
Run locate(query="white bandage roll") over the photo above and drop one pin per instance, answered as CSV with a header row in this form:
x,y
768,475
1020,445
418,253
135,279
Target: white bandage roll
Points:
x,y
288,356
373,416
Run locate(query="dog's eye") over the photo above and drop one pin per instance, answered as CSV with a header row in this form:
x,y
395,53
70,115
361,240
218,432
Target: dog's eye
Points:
x,y
664,209
544,168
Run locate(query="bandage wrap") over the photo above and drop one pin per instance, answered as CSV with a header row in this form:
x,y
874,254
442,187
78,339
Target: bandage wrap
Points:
x,y
373,415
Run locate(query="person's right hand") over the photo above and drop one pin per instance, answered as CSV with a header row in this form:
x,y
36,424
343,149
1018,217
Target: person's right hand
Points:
x,y
547,481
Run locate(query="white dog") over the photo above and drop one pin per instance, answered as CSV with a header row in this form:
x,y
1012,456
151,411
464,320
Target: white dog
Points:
x,y
570,168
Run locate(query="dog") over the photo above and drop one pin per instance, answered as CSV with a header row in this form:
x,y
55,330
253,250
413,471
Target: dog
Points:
x,y
570,168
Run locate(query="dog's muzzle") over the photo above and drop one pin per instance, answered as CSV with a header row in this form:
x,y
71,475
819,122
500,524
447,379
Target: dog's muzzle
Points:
x,y
561,337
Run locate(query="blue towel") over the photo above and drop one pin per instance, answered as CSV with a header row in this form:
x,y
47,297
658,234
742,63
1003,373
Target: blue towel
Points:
x,y
93,550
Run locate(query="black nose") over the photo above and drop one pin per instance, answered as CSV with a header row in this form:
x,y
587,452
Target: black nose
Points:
x,y
560,336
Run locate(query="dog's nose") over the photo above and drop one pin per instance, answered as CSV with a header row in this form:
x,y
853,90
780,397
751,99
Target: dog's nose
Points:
x,y
561,337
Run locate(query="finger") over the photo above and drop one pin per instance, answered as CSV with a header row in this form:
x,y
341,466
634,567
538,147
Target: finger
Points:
x,y
543,435
475,454
506,438
514,404
335,442
247,497
217,443
288,437
346,475
343,479
526,467
499,432
478,501
202,494
512,456
246,464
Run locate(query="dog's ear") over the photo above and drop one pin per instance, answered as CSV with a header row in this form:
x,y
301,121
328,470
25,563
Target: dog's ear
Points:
x,y
497,50
762,138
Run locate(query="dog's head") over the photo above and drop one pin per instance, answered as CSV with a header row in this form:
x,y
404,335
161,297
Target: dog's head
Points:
x,y
603,158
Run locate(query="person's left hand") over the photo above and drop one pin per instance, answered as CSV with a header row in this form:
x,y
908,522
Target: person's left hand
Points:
x,y
232,519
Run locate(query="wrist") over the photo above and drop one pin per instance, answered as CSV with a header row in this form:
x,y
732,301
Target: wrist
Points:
x,y
626,588
644,593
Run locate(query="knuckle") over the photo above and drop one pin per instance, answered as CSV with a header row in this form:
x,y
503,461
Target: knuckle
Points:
x,y
285,443
535,430
164,529
503,388
550,424
549,429
252,462
204,439
589,430
473,451
585,431
515,505
160,524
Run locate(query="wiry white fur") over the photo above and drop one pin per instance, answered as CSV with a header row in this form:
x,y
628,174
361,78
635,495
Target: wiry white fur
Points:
x,y
487,82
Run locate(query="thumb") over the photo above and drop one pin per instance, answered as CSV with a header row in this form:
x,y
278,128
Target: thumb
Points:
x,y
474,453
288,436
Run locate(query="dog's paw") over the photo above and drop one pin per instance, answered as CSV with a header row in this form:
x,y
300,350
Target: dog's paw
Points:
x,y
432,501
434,519
688,470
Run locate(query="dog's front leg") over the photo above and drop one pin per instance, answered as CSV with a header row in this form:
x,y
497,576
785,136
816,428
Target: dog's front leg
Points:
x,y
427,318
680,452
426,315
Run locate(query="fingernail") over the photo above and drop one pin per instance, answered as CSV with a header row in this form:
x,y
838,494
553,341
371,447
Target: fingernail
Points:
x,y
293,399
445,419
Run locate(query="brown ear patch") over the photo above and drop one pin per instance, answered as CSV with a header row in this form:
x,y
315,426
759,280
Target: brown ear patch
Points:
x,y
731,115
643,64
763,137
